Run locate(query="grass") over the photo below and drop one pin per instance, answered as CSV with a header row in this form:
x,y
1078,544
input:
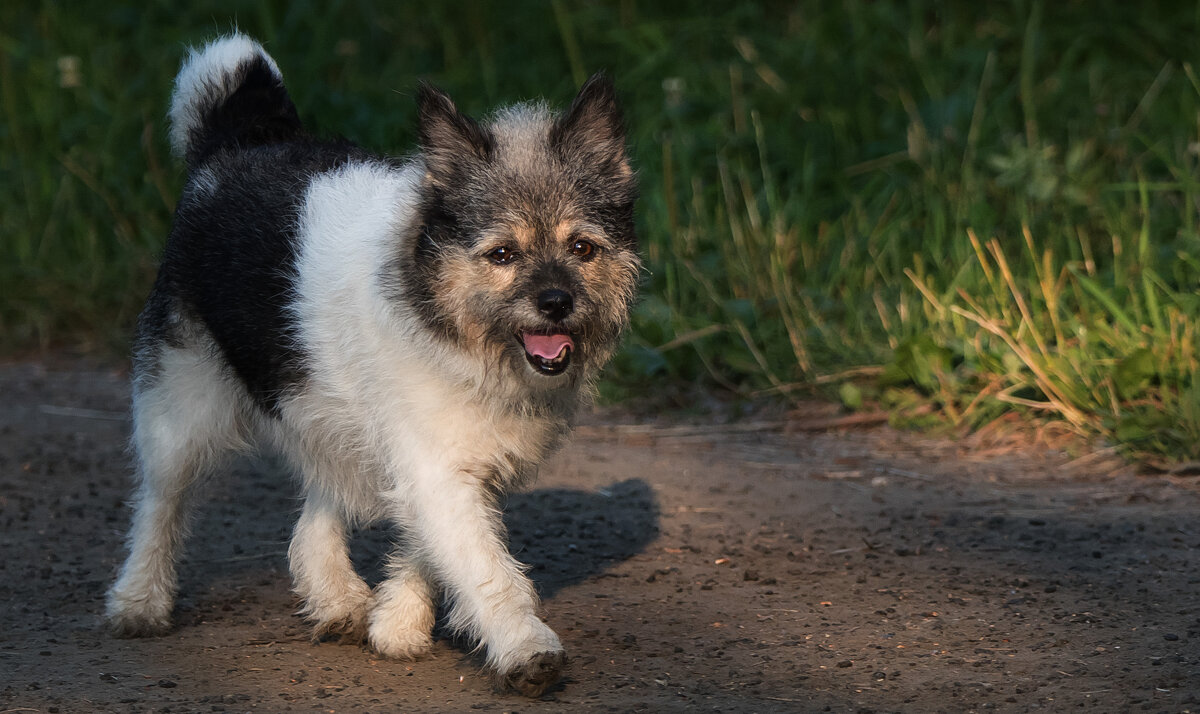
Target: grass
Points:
x,y
953,211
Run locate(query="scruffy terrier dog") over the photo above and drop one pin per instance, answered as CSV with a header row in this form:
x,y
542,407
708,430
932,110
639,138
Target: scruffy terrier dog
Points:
x,y
413,336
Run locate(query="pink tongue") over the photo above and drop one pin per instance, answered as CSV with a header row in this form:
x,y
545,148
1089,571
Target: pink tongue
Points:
x,y
547,346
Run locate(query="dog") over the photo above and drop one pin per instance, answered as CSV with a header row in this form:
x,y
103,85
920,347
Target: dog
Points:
x,y
413,336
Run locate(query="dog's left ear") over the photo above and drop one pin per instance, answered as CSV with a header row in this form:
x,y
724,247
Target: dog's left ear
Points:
x,y
592,131
452,143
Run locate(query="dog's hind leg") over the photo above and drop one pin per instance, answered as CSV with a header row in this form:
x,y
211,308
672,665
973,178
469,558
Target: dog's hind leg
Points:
x,y
185,417
402,618
335,599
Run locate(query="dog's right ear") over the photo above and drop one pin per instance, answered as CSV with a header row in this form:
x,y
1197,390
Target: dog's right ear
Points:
x,y
452,142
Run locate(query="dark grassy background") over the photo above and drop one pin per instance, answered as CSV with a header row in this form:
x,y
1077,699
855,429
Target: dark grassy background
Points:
x,y
954,210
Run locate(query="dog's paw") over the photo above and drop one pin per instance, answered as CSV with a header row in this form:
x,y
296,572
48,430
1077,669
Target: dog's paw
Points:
x,y
350,629
131,613
399,643
401,632
129,624
339,615
533,677
137,627
401,624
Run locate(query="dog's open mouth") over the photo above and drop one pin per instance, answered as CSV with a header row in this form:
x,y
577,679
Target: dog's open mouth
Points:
x,y
549,354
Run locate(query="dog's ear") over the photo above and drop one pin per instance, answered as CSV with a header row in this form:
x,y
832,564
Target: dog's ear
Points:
x,y
593,131
451,141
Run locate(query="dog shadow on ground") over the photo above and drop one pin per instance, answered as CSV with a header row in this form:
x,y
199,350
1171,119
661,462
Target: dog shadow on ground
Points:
x,y
564,535
567,536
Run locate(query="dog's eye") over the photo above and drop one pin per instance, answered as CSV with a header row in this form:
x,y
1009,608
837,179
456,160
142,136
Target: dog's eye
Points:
x,y
584,250
502,255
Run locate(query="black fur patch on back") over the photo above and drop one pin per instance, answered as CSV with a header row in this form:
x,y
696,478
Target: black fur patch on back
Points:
x,y
230,261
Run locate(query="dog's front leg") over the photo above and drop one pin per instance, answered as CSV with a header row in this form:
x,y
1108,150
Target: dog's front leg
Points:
x,y
335,599
403,616
459,537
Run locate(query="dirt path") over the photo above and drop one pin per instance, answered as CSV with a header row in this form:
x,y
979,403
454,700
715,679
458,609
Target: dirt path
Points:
x,y
855,571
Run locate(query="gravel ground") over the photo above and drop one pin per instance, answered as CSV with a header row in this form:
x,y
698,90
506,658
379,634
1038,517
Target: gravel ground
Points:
x,y
781,568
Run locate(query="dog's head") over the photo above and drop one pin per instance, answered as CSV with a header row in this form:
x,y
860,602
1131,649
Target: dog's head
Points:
x,y
526,255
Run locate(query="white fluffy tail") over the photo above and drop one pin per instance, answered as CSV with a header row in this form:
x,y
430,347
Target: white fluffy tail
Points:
x,y
229,90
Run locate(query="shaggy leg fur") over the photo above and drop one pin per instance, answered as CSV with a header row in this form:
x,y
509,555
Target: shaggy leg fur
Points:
x,y
183,421
459,534
336,600
141,600
401,624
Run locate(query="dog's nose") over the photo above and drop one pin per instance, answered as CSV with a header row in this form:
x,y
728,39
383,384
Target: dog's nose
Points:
x,y
555,304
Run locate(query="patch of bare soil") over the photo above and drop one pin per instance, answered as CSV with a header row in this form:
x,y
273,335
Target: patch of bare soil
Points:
x,y
685,568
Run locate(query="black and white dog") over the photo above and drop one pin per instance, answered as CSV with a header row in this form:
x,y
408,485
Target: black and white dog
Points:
x,y
413,336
